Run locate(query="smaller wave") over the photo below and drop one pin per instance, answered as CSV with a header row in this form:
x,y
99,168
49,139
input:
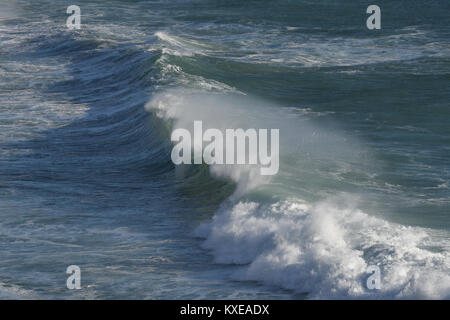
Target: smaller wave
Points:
x,y
179,46
297,49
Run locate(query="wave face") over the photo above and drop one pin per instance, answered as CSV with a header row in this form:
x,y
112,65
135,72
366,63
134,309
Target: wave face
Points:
x,y
86,176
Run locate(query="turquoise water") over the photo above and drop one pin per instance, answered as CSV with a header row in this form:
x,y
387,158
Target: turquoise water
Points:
x,y
86,176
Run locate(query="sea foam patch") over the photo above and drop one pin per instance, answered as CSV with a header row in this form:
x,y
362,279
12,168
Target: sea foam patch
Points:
x,y
326,250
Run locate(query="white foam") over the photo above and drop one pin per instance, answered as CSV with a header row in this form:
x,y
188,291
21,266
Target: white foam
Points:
x,y
324,249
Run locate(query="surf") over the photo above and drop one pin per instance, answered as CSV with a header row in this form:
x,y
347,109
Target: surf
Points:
x,y
321,245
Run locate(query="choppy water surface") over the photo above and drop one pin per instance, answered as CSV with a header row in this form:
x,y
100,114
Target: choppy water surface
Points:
x,y
86,176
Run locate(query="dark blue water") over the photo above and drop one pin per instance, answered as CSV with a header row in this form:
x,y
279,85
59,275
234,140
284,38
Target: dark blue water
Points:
x,y
86,176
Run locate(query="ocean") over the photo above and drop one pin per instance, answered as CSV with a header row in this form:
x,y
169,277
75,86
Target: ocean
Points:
x,y
86,176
